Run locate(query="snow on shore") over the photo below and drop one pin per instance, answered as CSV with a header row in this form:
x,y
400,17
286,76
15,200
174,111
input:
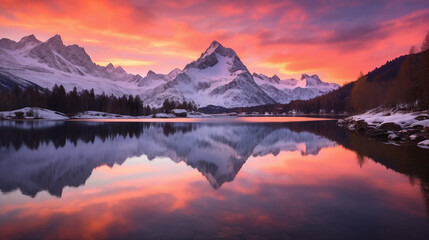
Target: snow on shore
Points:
x,y
99,115
376,118
424,144
394,126
40,113
33,113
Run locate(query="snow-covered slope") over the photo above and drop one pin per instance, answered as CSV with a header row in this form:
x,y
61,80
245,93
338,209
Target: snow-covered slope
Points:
x,y
31,62
218,77
33,113
284,91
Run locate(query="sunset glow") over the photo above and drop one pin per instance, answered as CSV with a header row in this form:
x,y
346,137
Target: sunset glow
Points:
x,y
132,192
334,39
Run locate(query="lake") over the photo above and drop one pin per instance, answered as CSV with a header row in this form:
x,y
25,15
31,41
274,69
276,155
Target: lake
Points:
x,y
234,178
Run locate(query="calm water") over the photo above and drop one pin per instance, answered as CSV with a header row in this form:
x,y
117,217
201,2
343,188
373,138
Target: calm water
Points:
x,y
204,180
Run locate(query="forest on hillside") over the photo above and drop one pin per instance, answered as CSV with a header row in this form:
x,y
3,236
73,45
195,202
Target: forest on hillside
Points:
x,y
72,102
402,83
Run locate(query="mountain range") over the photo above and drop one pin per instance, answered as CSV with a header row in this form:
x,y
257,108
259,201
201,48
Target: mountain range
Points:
x,y
401,83
218,77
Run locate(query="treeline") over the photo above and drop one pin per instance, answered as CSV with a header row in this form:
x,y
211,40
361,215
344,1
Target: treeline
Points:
x,y
169,105
72,102
74,132
402,82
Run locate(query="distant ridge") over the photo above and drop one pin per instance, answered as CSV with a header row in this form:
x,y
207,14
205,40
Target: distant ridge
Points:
x,y
218,77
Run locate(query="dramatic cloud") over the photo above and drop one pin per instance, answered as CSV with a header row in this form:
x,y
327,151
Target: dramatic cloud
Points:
x,y
335,39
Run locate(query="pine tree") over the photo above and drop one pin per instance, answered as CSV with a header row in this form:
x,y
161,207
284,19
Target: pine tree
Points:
x,y
425,44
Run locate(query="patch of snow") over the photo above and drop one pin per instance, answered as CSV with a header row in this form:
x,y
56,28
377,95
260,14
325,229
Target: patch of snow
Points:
x,y
99,115
198,115
424,144
179,111
413,137
35,113
403,119
284,91
392,136
424,123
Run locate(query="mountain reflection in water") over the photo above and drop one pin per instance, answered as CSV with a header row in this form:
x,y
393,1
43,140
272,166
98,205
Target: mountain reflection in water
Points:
x,y
50,156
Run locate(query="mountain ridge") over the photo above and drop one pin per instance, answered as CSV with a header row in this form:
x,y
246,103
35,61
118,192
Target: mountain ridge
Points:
x,y
217,77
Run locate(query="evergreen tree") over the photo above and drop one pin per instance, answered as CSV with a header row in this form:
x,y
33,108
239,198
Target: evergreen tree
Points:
x,y
425,44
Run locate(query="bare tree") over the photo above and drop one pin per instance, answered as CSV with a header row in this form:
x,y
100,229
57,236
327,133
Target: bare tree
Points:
x,y
413,49
425,44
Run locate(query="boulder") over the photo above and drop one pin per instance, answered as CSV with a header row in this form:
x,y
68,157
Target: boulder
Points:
x,y
416,137
377,133
422,117
361,126
390,126
340,122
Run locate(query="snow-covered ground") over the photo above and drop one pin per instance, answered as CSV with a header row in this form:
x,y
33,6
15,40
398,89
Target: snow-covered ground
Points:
x,y
98,115
40,113
424,144
33,113
376,118
396,125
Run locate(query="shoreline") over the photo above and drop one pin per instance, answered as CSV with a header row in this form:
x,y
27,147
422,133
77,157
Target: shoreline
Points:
x,y
391,126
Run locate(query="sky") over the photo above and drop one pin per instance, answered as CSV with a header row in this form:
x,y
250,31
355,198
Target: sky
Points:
x,y
336,39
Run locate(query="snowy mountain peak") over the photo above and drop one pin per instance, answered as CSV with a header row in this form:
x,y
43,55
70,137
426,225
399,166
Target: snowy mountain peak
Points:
x,y
7,43
213,46
120,70
55,43
276,78
284,91
27,42
216,47
315,82
312,81
174,73
117,70
216,53
29,39
261,79
110,67
217,78
314,76
150,73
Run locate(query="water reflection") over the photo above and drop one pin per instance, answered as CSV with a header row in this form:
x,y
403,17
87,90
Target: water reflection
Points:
x,y
267,181
37,157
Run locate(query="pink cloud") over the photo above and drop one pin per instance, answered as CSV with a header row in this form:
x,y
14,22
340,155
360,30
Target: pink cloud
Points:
x,y
311,36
